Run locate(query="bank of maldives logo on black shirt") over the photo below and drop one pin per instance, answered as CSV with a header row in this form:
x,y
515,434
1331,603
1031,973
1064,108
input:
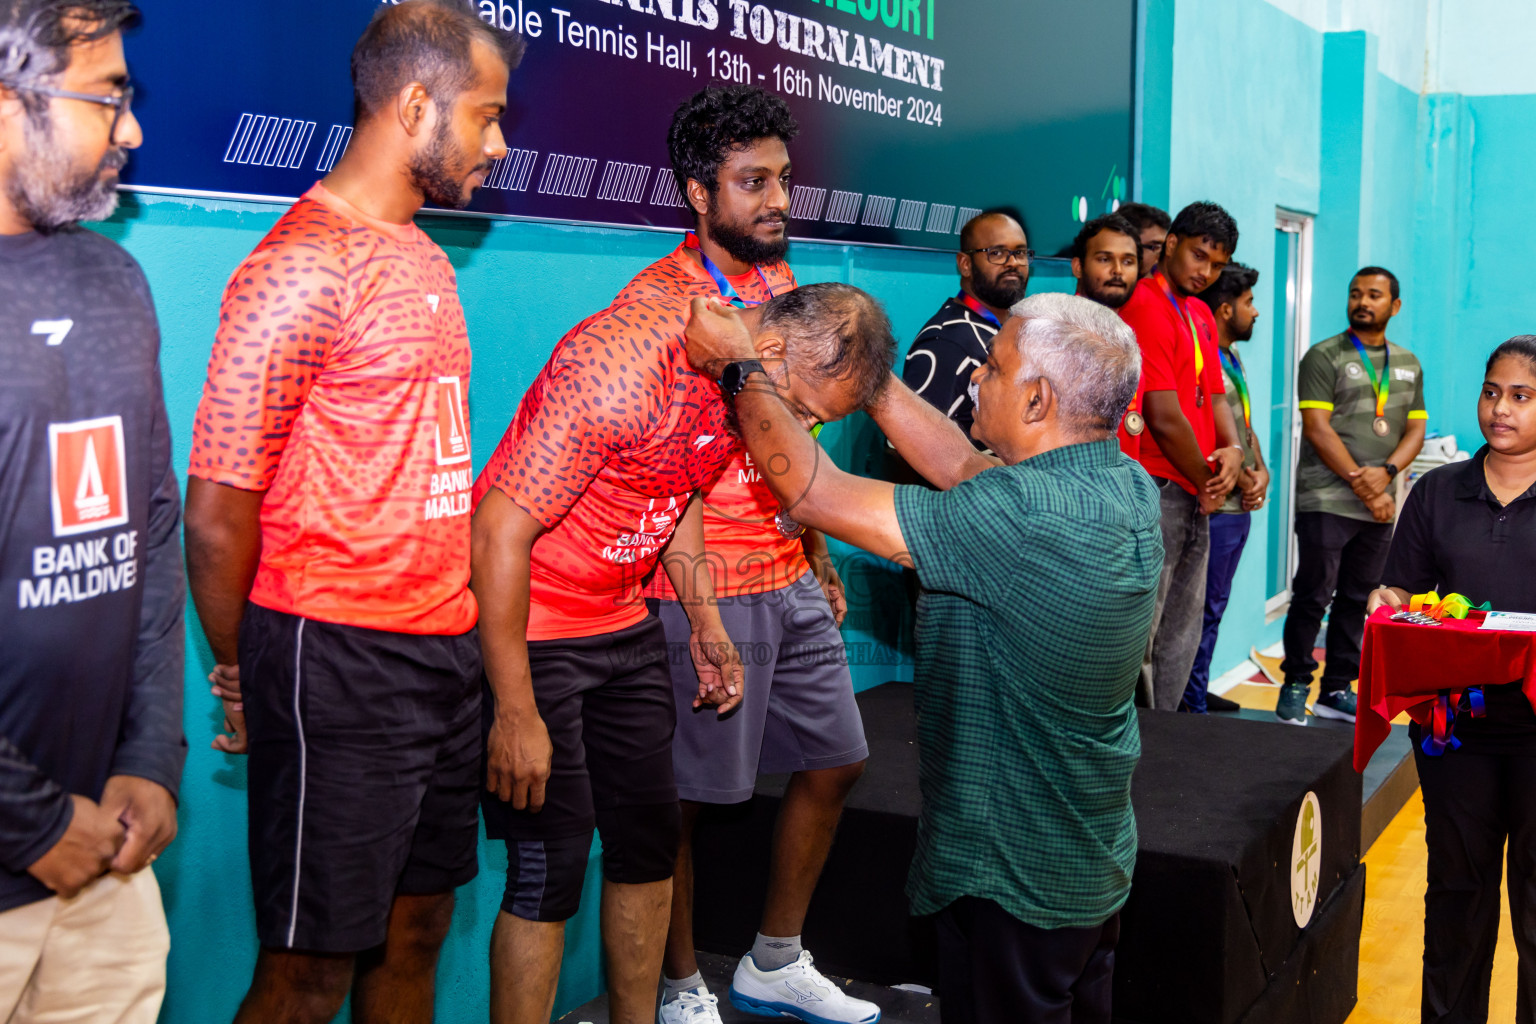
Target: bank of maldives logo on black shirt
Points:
x,y
89,489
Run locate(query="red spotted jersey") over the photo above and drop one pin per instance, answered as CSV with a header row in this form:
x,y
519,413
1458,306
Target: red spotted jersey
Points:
x,y
611,441
338,385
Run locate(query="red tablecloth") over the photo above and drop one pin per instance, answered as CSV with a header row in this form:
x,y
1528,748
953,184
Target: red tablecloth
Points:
x,y
1403,667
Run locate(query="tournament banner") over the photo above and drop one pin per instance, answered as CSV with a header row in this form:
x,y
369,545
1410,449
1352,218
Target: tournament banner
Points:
x,y
914,114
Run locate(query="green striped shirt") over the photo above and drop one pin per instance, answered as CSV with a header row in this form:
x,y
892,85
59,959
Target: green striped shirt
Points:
x,y
1038,585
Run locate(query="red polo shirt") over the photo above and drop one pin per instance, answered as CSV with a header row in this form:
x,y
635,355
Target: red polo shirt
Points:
x,y
1168,364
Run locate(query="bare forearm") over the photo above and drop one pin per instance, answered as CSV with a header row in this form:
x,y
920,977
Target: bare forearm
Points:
x,y
811,488
500,558
223,541
929,441
1409,447
1226,426
687,566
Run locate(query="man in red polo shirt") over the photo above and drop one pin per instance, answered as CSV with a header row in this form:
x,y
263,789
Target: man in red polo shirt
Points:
x,y
1190,445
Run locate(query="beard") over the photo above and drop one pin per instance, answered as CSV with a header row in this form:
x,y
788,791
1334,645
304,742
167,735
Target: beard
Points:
x,y
432,171
1362,317
51,192
742,244
1244,333
1108,296
1000,292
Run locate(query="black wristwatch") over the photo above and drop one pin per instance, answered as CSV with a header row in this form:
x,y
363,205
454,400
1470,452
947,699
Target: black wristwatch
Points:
x,y
1391,471
734,377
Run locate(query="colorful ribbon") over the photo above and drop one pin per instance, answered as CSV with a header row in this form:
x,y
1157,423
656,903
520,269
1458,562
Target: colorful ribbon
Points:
x,y
1442,733
1451,606
1183,312
1382,386
727,291
1234,367
975,305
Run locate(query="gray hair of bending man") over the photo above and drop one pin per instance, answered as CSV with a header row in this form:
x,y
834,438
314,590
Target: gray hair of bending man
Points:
x,y
1088,354
834,331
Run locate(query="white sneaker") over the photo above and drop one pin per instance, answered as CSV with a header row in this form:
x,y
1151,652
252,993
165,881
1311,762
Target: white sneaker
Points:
x,y
797,990
692,1006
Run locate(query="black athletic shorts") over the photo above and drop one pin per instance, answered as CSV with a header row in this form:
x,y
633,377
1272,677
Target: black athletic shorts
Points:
x,y
363,777
607,703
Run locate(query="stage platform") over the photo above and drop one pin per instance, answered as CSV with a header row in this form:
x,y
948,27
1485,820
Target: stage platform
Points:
x,y
1208,934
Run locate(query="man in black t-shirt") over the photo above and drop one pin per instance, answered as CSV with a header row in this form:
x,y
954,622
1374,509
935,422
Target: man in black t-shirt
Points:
x,y
91,745
993,262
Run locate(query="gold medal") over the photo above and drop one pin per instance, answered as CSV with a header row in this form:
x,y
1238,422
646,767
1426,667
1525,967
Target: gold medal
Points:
x,y
1134,424
787,525
1380,426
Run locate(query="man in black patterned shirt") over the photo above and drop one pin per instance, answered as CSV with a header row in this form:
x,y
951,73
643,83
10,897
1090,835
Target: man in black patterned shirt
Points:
x,y
993,262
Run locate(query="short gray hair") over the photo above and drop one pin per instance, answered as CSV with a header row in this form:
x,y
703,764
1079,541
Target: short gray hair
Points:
x,y
1085,350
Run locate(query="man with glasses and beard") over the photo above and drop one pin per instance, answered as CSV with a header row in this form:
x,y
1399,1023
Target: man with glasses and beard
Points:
x,y
328,536
1105,258
993,262
91,744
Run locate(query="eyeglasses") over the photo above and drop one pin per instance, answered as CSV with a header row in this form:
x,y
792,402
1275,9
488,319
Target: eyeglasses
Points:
x,y
120,104
998,256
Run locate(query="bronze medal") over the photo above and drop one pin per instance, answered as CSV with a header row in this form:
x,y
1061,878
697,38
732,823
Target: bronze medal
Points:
x,y
1380,426
1134,424
787,526
1199,396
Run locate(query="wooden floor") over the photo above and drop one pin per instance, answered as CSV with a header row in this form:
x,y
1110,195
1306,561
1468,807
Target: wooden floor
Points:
x,y
1392,939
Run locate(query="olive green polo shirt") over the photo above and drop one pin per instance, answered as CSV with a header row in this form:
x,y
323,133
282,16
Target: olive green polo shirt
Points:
x,y
1332,377
1038,585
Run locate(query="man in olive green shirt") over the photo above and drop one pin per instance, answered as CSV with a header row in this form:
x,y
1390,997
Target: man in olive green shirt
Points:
x,y
1039,570
1363,420
1230,299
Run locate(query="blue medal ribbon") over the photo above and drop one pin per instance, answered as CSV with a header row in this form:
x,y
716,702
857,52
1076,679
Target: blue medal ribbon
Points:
x,y
1442,735
727,291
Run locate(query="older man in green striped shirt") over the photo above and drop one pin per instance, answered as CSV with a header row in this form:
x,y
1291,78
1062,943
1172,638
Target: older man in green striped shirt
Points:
x,y
1039,570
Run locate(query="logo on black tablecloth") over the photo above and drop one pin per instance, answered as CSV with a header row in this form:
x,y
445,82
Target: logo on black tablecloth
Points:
x,y
1306,859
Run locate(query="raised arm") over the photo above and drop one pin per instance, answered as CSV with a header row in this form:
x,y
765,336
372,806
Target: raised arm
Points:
x,y
928,440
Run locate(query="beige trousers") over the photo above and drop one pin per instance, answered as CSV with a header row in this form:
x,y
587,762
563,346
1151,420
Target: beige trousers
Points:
x,y
96,959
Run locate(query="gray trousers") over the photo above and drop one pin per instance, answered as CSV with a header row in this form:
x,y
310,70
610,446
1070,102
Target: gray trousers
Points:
x,y
1179,616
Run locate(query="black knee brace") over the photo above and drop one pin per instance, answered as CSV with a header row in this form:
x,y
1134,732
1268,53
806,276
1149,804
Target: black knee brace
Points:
x,y
640,843
545,876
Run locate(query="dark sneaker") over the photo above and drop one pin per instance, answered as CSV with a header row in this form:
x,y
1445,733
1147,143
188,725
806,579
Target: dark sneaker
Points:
x,y
1292,707
1339,704
1214,702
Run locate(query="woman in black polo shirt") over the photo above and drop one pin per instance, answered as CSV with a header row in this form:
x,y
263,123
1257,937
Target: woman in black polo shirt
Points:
x,y
1470,528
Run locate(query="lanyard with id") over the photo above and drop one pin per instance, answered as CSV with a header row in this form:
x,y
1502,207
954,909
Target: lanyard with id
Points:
x,y
1380,386
1194,335
973,304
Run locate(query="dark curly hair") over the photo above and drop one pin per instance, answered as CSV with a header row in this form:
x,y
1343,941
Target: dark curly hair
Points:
x,y
716,120
35,37
1234,279
1208,221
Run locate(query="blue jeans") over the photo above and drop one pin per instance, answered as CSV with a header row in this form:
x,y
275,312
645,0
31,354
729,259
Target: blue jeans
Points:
x,y
1229,533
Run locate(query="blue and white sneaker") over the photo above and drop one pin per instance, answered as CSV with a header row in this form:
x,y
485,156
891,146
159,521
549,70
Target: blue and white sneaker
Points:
x,y
694,1006
797,990
1339,704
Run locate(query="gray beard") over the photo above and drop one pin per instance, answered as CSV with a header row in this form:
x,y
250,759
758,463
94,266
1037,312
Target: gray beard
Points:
x,y
50,192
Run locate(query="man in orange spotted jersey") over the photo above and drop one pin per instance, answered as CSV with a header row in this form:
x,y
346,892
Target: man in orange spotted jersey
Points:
x,y
328,536
600,472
